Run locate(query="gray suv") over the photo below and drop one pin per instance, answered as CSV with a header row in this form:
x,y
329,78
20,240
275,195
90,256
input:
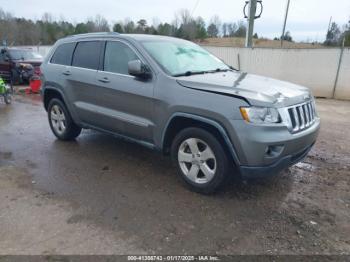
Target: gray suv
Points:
x,y
174,96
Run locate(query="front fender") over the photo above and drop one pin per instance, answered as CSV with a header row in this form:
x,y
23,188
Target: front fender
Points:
x,y
207,121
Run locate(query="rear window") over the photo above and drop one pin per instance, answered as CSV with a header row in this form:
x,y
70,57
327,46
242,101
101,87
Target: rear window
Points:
x,y
63,54
87,55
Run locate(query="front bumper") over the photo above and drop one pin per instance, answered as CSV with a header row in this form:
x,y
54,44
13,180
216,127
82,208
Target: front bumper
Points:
x,y
249,172
265,151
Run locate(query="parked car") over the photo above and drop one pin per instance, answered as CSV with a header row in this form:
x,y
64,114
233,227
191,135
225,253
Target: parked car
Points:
x,y
19,65
174,96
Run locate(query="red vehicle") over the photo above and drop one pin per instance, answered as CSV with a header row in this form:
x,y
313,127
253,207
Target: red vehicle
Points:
x,y
19,65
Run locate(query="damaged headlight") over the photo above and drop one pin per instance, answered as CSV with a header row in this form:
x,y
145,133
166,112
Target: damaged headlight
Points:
x,y
260,115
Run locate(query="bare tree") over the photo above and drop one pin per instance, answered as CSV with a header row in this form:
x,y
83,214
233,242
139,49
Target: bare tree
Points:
x,y
232,28
101,24
224,29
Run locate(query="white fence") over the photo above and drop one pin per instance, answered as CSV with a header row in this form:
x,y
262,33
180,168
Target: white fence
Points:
x,y
314,68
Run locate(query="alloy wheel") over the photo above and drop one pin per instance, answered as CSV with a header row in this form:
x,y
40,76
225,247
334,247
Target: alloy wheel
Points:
x,y
58,119
197,160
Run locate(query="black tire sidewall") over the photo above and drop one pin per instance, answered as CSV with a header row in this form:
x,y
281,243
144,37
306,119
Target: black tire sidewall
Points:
x,y
222,168
8,98
72,130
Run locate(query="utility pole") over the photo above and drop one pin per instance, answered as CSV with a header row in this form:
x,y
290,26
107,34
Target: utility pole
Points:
x,y
285,22
339,66
329,25
251,17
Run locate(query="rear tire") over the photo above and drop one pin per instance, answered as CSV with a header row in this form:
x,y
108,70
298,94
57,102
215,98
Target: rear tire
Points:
x,y
61,122
8,94
8,98
201,160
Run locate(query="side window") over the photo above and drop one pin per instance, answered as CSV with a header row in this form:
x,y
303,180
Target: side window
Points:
x,y
87,55
63,54
117,57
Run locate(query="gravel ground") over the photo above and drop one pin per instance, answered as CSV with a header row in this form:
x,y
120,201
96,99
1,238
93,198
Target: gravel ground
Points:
x,y
100,195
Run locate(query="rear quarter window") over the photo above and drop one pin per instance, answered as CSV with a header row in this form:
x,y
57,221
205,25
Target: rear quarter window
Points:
x,y
87,55
63,54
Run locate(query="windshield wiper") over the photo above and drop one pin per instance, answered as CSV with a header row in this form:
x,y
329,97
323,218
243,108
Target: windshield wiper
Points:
x,y
217,70
189,73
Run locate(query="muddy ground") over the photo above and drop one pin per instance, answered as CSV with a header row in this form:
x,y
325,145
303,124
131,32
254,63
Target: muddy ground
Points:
x,y
100,195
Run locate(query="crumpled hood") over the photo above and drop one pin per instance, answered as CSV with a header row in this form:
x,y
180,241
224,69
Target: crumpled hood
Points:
x,y
257,90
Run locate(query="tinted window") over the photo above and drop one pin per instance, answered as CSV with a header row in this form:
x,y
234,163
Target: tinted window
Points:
x,y
87,55
117,57
63,54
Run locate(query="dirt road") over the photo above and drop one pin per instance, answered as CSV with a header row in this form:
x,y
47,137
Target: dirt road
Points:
x,y
100,195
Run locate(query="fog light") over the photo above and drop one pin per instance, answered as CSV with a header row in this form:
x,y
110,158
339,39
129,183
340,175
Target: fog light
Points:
x,y
274,151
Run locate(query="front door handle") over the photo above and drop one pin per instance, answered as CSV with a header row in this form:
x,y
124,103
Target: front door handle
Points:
x,y
67,73
104,80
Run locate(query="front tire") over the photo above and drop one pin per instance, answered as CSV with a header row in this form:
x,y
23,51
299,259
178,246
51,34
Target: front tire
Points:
x,y
61,122
200,159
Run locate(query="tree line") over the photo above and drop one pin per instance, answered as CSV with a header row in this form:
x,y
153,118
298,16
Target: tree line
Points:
x,y
336,35
47,30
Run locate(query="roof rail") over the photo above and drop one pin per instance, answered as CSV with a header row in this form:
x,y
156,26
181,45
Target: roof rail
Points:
x,y
93,34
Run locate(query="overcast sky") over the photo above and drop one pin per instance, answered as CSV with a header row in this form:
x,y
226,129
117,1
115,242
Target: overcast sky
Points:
x,y
308,19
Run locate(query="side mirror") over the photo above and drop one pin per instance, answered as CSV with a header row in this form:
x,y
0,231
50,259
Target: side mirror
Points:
x,y
138,69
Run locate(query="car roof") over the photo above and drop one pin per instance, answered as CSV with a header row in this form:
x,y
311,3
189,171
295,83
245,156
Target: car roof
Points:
x,y
136,37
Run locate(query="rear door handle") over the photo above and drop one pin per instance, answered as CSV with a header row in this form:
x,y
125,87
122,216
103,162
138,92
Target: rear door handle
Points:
x,y
104,80
67,73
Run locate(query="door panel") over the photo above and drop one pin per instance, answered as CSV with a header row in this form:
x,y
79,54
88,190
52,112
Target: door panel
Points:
x,y
80,83
81,89
126,101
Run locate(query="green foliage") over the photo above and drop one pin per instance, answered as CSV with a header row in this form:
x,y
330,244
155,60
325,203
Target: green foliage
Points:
x,y
213,31
347,39
118,28
166,29
129,27
287,37
81,28
201,31
45,31
333,35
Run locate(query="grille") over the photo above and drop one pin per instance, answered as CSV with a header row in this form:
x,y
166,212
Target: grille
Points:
x,y
302,116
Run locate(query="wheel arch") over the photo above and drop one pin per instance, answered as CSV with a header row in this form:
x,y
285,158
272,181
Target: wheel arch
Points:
x,y
50,93
180,121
